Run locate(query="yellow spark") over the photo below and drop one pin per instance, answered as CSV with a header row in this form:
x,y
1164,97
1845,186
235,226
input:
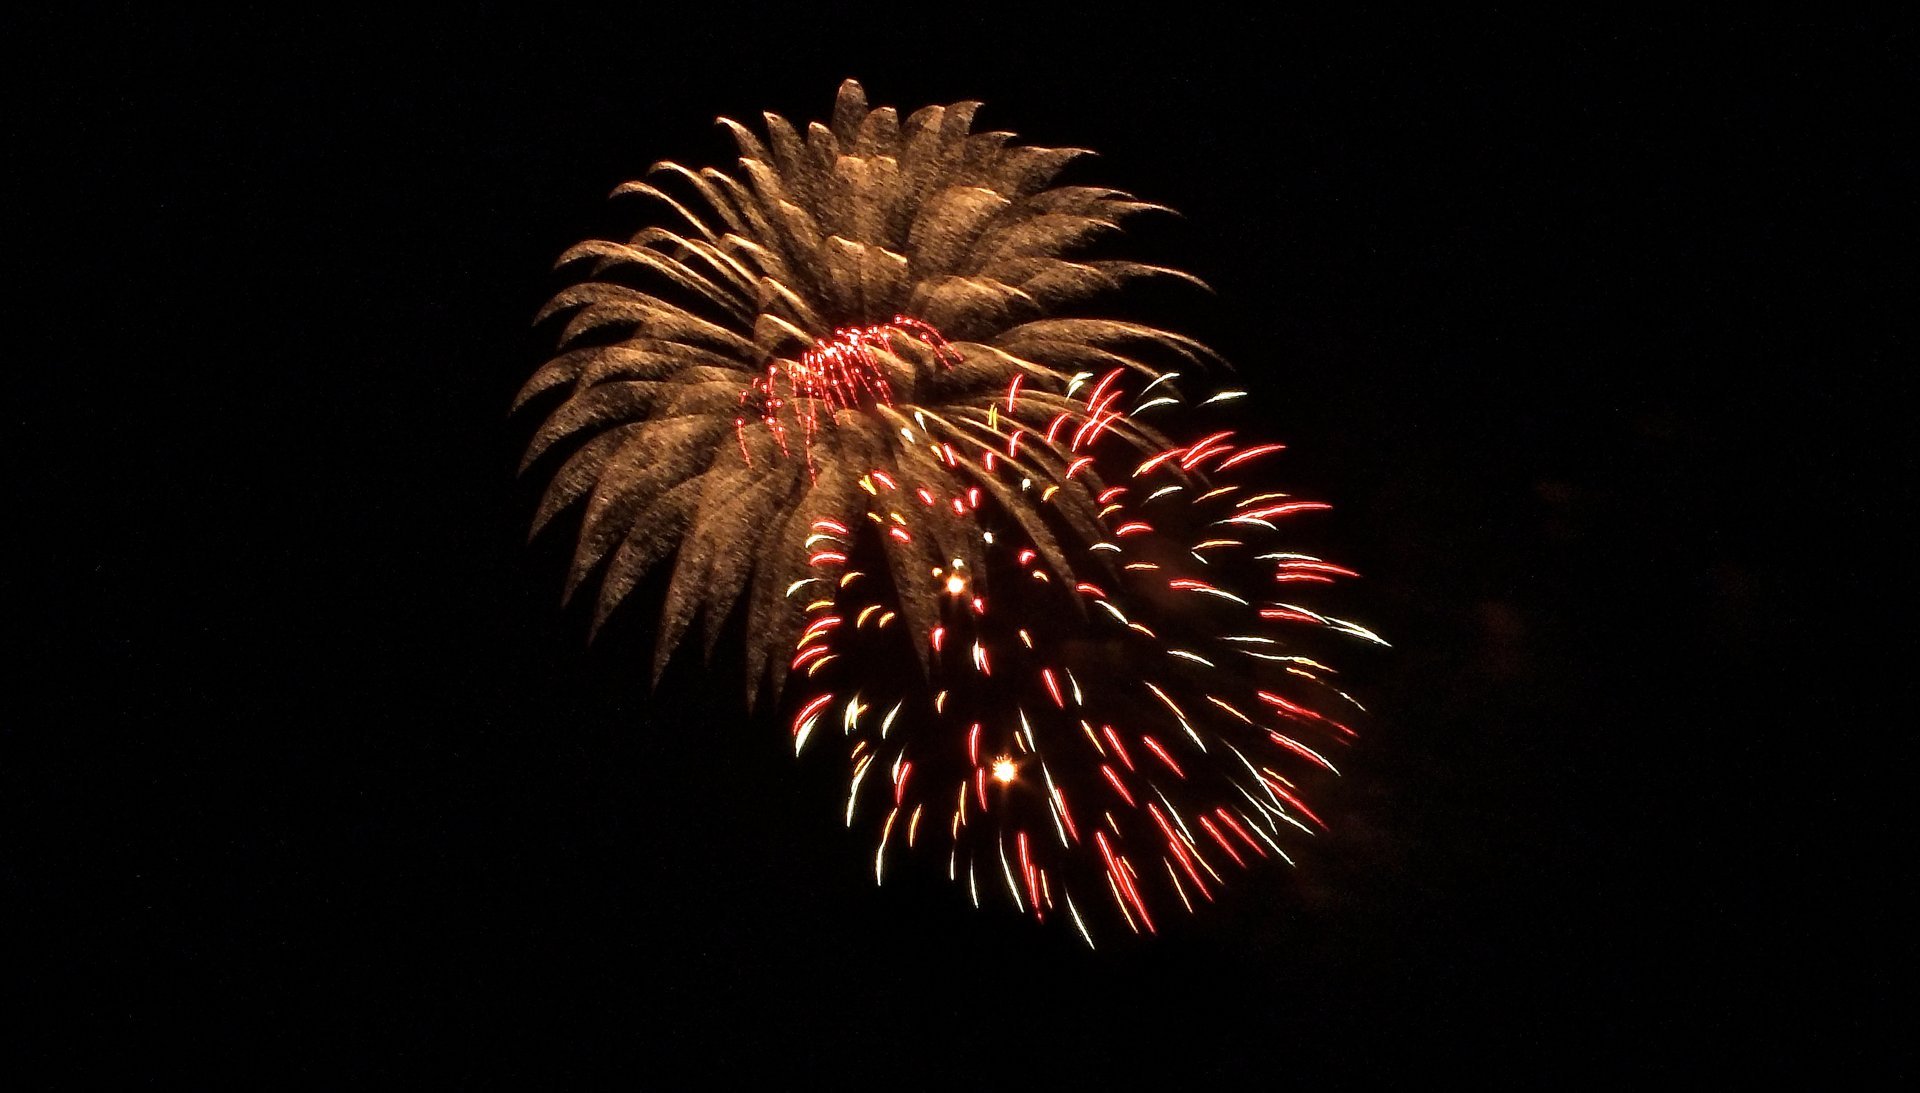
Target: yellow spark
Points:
x,y
879,855
1230,708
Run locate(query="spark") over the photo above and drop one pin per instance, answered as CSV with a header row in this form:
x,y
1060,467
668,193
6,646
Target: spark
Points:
x,y
1164,377
853,792
879,855
1250,454
1190,585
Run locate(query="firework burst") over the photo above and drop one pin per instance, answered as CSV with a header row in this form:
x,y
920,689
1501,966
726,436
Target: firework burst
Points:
x,y
847,387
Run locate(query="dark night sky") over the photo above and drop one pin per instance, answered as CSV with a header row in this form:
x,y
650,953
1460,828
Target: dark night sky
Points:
x,y
1560,316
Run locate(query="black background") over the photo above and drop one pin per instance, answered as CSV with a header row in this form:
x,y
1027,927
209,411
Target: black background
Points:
x,y
1564,318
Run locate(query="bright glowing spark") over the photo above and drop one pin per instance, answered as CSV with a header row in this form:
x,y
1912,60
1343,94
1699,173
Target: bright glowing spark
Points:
x,y
1164,377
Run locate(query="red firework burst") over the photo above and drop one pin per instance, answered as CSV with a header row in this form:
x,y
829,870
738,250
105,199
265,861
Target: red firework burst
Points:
x,y
1062,651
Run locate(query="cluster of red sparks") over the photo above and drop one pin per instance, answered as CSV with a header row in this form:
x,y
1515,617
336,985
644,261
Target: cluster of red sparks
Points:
x,y
835,373
1176,749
